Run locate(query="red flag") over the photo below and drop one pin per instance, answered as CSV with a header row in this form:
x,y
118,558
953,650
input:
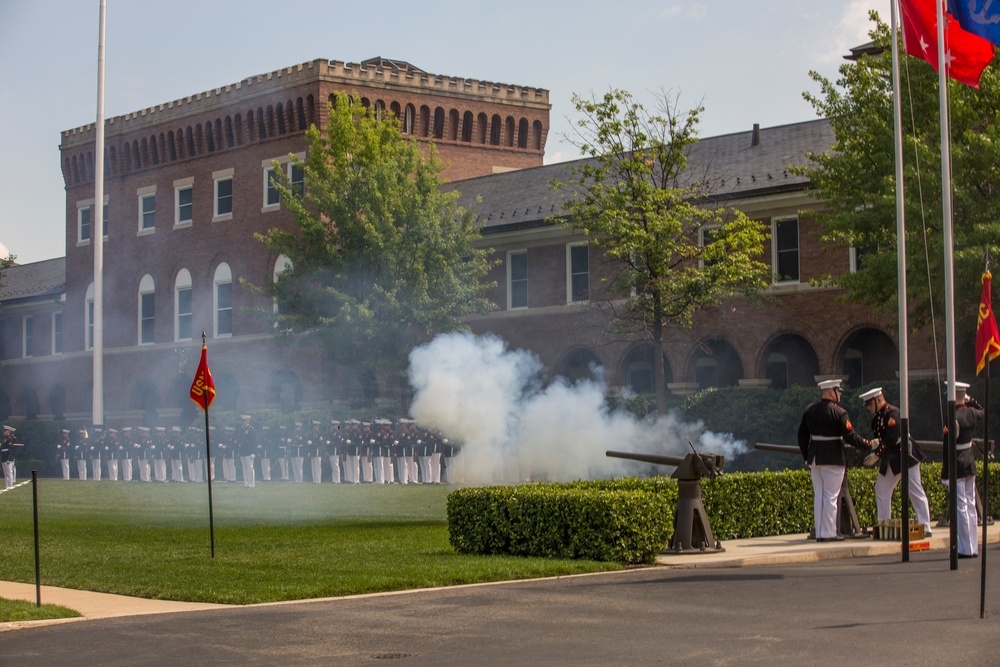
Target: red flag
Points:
x,y
203,387
987,336
966,55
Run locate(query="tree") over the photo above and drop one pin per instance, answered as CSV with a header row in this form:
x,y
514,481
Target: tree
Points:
x,y
674,255
382,257
856,180
6,263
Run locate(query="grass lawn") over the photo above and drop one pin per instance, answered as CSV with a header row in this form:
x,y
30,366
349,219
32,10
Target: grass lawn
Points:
x,y
278,541
19,610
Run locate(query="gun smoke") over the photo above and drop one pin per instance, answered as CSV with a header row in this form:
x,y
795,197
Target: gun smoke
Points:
x,y
512,427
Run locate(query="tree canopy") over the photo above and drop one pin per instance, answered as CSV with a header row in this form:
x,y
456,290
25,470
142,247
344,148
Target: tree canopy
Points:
x,y
381,256
856,180
674,254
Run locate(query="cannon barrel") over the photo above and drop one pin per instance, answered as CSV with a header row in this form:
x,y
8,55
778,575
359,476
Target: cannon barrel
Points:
x,y
659,459
784,449
938,446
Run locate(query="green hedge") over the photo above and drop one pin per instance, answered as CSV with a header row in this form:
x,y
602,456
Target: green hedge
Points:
x,y
630,520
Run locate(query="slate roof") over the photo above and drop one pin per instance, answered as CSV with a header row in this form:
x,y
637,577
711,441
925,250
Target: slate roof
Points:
x,y
732,166
33,281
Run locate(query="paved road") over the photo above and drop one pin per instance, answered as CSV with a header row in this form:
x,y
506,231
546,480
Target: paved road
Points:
x,y
871,611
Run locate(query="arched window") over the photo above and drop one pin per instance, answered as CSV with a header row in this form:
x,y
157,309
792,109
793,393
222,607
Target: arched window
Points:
x,y
261,128
379,109
281,119
522,133
89,317
495,123
509,138
182,305
467,126
453,124
394,109
409,114
425,120
438,123
153,149
209,136
222,300
536,135
482,124
147,310
230,140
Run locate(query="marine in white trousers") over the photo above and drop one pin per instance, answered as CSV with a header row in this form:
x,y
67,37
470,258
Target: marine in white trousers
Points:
x,y
886,484
335,468
827,480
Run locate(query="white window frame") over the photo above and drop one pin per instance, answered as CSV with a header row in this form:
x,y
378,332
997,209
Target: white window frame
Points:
x,y
182,282
219,177
701,240
147,287
223,276
181,185
510,282
776,278
266,166
142,195
57,332
569,272
88,205
88,318
27,336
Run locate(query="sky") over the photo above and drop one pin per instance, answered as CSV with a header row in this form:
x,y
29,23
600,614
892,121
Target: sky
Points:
x,y
745,62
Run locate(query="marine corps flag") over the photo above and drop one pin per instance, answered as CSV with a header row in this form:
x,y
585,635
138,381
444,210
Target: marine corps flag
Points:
x,y
987,336
966,54
203,388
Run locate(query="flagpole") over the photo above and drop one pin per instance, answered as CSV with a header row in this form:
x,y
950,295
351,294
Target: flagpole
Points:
x,y
986,464
949,281
208,461
904,377
97,235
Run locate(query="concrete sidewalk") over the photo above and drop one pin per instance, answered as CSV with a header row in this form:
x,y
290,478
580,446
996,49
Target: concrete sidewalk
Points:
x,y
778,550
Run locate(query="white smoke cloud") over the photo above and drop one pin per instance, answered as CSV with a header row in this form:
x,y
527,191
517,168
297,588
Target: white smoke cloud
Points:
x,y
512,428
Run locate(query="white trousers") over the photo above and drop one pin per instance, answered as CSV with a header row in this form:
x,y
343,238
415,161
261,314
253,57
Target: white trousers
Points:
x,y
81,468
229,469
144,467
297,475
248,473
283,465
125,466
425,469
113,470
177,470
194,470
265,469
403,464
335,467
352,472
95,469
378,469
9,474
965,501
827,481
160,470
64,463
366,469
316,464
886,484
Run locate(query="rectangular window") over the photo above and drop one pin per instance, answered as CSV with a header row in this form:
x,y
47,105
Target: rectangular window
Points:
x,y
706,236
184,313
271,197
104,226
183,202
858,257
517,279
83,217
785,244
579,273
146,318
223,194
298,179
28,336
224,309
147,209
57,333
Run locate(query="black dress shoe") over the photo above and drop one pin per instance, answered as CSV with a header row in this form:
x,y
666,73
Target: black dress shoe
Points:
x,y
968,555
838,538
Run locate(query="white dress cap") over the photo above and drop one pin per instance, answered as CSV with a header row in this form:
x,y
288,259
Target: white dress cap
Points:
x,y
870,394
829,384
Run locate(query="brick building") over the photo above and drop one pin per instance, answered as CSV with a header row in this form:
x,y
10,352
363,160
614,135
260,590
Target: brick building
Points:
x,y
186,188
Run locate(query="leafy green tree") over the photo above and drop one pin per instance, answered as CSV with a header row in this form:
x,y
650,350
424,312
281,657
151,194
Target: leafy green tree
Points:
x,y
856,180
382,257
673,253
5,263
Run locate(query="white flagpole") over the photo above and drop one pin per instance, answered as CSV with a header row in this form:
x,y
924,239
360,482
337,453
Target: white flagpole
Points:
x,y
949,276
904,374
97,233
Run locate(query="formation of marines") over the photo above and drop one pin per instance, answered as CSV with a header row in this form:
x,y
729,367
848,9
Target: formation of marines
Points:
x,y
351,452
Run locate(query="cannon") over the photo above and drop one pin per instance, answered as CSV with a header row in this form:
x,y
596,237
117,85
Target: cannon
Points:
x,y
692,532
847,517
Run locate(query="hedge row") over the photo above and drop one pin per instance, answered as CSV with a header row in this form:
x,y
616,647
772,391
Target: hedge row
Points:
x,y
630,520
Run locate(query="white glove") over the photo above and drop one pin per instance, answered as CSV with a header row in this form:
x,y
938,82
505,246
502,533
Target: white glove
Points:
x,y
871,460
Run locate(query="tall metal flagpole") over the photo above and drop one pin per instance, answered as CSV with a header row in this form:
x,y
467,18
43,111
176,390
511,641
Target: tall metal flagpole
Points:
x,y
208,465
97,233
949,280
904,374
986,468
